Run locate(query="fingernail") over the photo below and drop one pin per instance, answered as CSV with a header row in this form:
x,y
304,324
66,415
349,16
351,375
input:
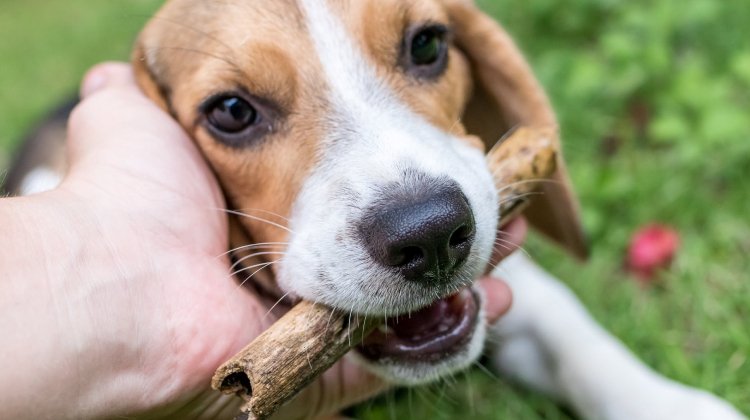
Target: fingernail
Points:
x,y
94,81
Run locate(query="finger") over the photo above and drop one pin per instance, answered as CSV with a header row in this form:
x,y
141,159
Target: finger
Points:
x,y
342,386
106,75
498,298
509,240
115,113
117,126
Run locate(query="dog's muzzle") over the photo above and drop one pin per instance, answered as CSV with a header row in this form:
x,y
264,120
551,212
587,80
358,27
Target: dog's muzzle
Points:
x,y
422,230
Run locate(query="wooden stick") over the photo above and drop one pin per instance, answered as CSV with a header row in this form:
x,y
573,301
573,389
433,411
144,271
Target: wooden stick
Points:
x,y
284,359
519,163
310,338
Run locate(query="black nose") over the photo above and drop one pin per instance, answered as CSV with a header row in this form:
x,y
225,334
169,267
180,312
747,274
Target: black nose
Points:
x,y
425,234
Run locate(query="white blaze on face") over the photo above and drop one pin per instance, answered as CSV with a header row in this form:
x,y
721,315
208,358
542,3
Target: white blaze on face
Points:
x,y
372,139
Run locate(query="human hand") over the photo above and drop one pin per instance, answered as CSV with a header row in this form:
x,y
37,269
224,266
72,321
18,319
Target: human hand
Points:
x,y
118,301
133,310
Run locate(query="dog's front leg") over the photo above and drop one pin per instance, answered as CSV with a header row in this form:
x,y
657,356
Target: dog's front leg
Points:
x,y
549,342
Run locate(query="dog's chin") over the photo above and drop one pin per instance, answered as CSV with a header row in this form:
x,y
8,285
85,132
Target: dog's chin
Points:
x,y
420,347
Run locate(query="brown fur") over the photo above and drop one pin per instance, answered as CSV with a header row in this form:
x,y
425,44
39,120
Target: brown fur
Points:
x,y
194,49
267,175
508,95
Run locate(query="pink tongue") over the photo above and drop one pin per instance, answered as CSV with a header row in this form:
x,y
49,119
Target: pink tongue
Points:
x,y
431,333
417,323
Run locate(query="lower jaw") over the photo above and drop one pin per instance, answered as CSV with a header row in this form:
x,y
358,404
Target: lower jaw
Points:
x,y
451,347
409,372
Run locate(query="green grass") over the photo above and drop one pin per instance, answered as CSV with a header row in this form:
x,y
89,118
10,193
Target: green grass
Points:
x,y
46,46
654,102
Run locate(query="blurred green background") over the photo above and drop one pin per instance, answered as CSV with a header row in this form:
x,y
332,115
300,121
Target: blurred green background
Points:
x,y
654,102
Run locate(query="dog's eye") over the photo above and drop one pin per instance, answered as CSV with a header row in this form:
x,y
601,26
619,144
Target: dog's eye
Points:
x,y
425,52
426,47
231,114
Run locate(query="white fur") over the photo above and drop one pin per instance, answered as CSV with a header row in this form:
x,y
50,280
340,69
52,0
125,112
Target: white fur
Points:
x,y
372,138
549,342
39,180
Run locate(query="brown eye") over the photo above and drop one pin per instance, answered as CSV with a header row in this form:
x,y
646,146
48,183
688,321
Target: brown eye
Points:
x,y
426,47
425,51
231,115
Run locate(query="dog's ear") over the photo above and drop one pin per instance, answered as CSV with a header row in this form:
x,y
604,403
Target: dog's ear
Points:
x,y
506,94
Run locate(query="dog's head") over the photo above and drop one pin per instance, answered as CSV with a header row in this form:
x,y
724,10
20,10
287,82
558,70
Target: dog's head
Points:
x,y
351,135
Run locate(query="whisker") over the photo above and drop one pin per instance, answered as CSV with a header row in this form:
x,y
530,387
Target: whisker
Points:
x,y
194,51
193,29
276,304
266,265
256,218
513,198
527,181
328,324
503,245
254,246
409,393
444,392
428,396
504,137
247,257
391,402
455,123
487,371
264,211
522,182
493,265
247,268
349,327
364,322
469,392
510,245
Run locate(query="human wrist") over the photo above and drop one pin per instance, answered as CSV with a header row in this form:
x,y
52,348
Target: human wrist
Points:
x,y
45,322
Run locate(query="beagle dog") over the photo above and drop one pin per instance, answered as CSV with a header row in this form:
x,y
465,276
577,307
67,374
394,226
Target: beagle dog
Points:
x,y
349,138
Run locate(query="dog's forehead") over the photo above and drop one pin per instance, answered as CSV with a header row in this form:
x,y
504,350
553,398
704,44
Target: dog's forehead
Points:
x,y
235,26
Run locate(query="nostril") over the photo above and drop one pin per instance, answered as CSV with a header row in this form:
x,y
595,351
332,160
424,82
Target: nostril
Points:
x,y
425,234
461,236
407,256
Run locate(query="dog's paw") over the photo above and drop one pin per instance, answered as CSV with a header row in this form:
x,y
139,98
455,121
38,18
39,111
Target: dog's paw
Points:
x,y
701,405
549,343
668,400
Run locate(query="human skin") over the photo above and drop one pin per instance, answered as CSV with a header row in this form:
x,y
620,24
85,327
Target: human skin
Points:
x,y
115,292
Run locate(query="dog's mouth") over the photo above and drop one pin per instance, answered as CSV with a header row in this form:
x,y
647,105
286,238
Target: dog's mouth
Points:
x,y
428,335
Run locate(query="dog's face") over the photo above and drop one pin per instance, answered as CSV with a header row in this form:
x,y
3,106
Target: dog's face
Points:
x,y
340,121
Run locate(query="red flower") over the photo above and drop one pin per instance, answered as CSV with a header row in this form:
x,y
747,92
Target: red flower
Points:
x,y
652,249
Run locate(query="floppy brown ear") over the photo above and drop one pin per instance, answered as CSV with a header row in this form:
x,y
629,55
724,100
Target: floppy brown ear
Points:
x,y
506,95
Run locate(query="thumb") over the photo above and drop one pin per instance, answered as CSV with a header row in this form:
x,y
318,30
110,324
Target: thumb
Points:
x,y
116,120
116,127
106,75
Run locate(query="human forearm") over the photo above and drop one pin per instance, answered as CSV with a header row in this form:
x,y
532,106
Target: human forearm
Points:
x,y
45,300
